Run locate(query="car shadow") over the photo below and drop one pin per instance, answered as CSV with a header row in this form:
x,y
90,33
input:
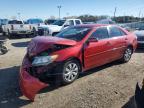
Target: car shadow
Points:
x,y
20,44
3,37
140,50
9,89
10,94
130,103
14,37
53,84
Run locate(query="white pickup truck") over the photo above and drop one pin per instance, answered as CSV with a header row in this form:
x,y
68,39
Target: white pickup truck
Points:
x,y
15,27
57,26
35,23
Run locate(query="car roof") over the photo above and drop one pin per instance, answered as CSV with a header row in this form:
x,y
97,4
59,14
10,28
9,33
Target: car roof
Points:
x,y
92,25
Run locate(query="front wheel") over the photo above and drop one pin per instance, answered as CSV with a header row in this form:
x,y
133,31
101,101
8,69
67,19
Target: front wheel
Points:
x,y
127,55
34,32
70,71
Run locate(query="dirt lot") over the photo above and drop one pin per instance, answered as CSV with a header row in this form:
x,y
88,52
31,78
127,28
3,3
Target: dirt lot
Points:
x,y
109,86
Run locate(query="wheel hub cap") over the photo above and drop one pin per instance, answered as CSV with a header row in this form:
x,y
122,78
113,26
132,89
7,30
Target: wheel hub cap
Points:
x,y
71,72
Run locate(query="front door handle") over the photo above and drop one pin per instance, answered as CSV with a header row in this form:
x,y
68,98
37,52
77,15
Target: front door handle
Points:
x,y
108,43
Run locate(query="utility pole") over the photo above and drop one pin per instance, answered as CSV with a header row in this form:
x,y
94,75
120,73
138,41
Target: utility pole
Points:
x,y
59,7
139,15
115,12
19,14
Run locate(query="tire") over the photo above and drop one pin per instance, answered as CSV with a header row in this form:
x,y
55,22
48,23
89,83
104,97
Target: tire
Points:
x,y
54,34
69,72
4,34
127,55
4,50
9,35
34,32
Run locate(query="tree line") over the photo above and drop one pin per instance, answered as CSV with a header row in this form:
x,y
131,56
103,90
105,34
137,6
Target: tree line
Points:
x,y
118,19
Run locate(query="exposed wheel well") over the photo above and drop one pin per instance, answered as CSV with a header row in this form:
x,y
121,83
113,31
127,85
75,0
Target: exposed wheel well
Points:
x,y
53,34
74,58
130,46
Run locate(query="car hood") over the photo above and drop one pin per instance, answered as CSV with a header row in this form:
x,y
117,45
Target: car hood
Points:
x,y
42,43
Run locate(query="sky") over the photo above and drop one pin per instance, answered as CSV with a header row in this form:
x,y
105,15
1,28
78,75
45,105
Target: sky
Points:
x,y
47,8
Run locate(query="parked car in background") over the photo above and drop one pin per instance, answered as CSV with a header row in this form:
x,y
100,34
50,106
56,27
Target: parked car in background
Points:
x,y
57,26
50,21
16,27
106,21
88,22
140,28
125,27
35,23
140,38
73,50
2,22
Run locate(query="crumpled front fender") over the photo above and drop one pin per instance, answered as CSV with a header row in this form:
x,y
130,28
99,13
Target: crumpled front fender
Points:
x,y
30,85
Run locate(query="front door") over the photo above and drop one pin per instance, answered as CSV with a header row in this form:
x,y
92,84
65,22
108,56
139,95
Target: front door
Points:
x,y
98,52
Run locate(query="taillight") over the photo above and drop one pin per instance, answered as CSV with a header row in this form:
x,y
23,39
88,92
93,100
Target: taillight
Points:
x,y
30,27
12,27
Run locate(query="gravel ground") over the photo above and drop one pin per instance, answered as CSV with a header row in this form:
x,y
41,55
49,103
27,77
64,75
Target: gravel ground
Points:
x,y
108,86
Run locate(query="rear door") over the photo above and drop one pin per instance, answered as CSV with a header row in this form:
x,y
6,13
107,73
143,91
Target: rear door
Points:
x,y
118,39
99,52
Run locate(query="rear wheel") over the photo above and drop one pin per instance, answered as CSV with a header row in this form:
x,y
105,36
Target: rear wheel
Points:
x,y
127,55
69,71
4,50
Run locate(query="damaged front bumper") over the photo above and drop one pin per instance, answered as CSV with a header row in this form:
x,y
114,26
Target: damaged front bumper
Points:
x,y
33,79
30,85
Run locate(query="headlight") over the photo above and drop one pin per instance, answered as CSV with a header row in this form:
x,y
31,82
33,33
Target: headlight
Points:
x,y
43,60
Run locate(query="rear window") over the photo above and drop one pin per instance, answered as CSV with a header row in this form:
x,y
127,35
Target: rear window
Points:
x,y
34,21
15,22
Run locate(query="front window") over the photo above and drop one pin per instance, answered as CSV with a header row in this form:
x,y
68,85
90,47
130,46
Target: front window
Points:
x,y
59,22
101,33
74,33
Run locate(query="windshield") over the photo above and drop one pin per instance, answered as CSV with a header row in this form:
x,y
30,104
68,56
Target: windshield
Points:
x,y
59,22
50,21
74,33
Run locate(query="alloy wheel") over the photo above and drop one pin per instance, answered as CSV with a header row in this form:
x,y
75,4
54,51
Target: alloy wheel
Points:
x,y
71,72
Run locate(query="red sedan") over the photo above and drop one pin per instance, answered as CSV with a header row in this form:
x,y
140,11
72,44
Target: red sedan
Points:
x,y
74,50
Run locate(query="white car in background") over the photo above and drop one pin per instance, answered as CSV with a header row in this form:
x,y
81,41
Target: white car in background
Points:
x,y
57,26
